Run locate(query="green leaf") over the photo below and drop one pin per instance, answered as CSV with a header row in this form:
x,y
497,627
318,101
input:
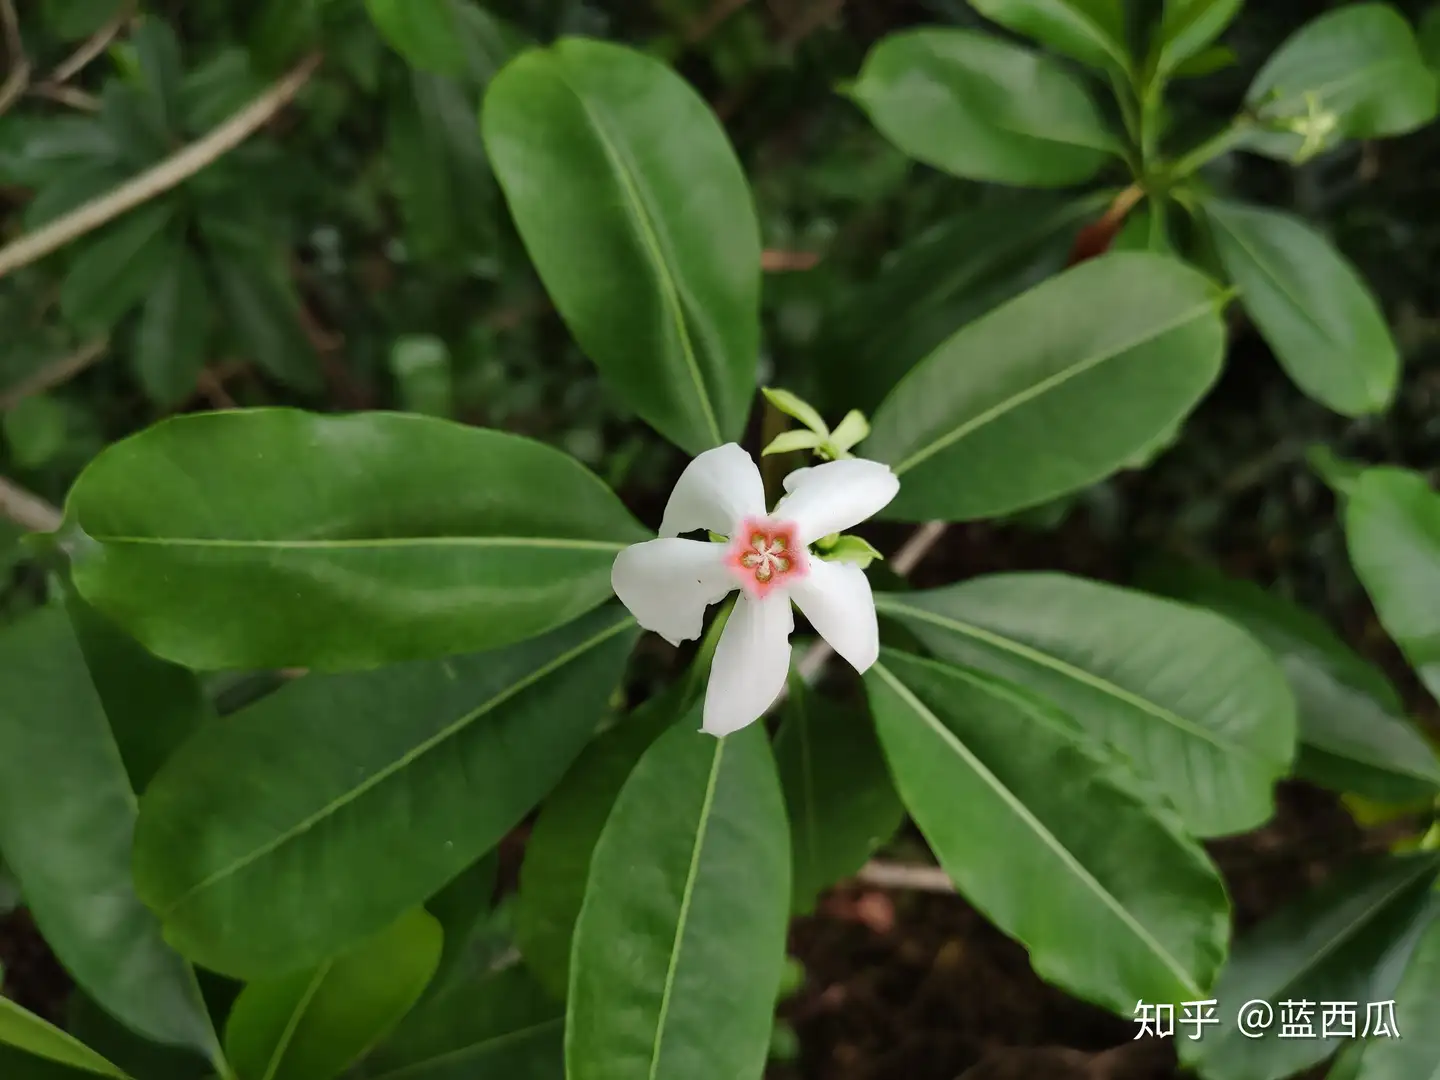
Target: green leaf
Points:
x,y
978,107
1428,35
1345,941
26,1031
425,32
115,273
71,20
1043,833
1313,309
1339,474
1196,705
158,51
421,366
258,842
1359,62
1354,734
170,336
264,311
1416,1053
792,406
36,430
789,441
681,941
637,215
562,842
1052,391
1186,28
1392,528
277,538
841,803
1207,62
313,1024
67,818
956,271
130,1052
1092,31
502,1025
464,909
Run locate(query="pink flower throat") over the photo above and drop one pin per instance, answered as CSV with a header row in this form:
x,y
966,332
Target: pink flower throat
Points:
x,y
764,554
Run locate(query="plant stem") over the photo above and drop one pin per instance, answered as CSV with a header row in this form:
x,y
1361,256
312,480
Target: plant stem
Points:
x,y
1210,149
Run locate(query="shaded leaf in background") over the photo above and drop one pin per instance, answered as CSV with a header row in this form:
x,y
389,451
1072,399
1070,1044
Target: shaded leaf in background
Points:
x,y
1186,28
1347,940
463,908
71,20
1310,305
1359,62
425,32
327,809
1354,734
1050,391
158,52
36,430
26,1032
681,940
170,335
133,1054
1042,832
114,273
978,107
421,365
67,816
313,1024
1392,530
502,1024
1191,700
638,217
1089,30
1416,1053
841,802
380,537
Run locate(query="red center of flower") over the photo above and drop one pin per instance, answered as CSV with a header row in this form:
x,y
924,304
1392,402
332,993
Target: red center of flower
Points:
x,y
764,554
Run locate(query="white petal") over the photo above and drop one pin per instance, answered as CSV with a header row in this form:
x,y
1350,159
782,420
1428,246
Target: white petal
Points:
x,y
667,584
836,598
717,491
837,495
751,662
797,477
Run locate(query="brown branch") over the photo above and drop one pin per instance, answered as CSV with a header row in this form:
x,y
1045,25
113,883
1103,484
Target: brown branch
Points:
x,y
92,47
169,173
888,875
54,374
17,78
773,262
718,12
27,509
66,95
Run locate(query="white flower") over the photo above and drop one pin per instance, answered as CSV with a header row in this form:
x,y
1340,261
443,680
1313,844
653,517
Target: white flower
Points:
x,y
668,583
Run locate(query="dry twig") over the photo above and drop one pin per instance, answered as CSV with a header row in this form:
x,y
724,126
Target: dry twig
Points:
x,y
26,509
52,375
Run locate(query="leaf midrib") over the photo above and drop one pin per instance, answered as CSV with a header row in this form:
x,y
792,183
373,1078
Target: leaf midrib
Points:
x,y
282,1045
1038,827
1044,386
404,761
544,542
474,1050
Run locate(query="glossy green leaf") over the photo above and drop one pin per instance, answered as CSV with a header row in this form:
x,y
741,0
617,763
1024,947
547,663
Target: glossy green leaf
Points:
x,y
975,106
67,818
1392,529
1187,27
841,802
501,1025
1196,705
335,542
1359,63
1041,831
425,32
562,842
1354,734
313,1024
638,218
325,810
25,1031
1088,30
169,348
1052,391
681,940
114,273
1415,1055
1311,306
1345,941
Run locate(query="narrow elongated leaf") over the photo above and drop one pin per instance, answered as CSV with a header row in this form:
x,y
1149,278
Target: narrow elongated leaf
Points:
x,y
1197,706
67,817
130,1052
464,909
681,941
115,272
24,1031
1349,940
1392,529
264,312
335,542
841,802
503,1024
1313,309
313,1024
1359,63
1187,27
425,32
324,811
1088,30
637,215
975,106
1354,734
170,335
1415,1055
1042,832
1051,391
